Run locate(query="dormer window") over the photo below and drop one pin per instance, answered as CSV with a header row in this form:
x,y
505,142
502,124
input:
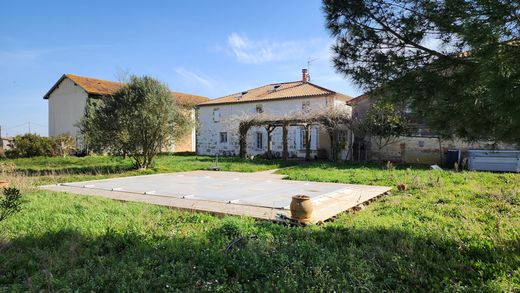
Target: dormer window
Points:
x,y
239,97
274,88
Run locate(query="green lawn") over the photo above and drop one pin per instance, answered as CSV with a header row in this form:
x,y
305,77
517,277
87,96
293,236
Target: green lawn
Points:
x,y
447,232
164,163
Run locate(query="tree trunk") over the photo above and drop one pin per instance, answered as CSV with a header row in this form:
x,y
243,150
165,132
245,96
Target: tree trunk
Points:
x,y
285,152
243,146
242,140
307,143
269,141
332,146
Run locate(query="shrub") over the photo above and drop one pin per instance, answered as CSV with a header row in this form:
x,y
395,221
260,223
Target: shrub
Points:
x,y
31,145
10,202
64,145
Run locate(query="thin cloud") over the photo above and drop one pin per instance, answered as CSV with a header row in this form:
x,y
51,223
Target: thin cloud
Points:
x,y
192,76
34,54
21,55
250,51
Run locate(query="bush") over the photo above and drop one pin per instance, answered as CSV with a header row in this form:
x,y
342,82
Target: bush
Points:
x,y
31,145
64,145
9,203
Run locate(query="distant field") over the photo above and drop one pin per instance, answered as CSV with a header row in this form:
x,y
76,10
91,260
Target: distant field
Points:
x,y
447,232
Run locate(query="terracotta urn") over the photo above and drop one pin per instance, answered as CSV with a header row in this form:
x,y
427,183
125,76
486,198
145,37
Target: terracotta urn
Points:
x,y
3,183
401,187
301,208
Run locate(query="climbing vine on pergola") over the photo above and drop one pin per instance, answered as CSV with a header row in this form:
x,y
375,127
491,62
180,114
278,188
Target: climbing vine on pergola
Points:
x,y
333,120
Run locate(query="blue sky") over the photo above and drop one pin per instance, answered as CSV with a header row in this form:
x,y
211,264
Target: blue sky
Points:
x,y
210,48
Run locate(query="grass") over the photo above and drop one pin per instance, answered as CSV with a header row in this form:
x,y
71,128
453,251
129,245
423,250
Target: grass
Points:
x,y
50,170
110,164
447,232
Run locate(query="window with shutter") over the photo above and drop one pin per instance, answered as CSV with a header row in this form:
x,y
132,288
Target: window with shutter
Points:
x,y
314,138
259,140
216,115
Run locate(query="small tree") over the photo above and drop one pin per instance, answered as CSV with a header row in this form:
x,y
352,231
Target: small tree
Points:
x,y
64,145
136,120
334,120
383,122
10,203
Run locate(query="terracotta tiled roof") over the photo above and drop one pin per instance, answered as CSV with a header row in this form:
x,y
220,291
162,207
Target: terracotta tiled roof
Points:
x,y
276,91
357,99
95,86
188,99
102,87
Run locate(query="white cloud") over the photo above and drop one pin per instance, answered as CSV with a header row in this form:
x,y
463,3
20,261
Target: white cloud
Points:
x,y
194,77
250,51
236,41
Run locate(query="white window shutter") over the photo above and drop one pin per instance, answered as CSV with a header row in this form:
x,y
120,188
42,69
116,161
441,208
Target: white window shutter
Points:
x,y
216,115
298,137
314,138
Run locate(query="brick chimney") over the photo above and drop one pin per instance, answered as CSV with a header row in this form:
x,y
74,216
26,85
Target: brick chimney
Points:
x,y
305,75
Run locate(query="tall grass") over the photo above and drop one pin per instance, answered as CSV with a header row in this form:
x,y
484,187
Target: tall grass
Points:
x,y
447,231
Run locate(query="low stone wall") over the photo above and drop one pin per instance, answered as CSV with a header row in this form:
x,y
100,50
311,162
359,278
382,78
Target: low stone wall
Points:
x,y
426,150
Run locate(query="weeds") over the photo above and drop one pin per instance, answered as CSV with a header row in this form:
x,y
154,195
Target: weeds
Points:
x,y
9,172
450,231
10,202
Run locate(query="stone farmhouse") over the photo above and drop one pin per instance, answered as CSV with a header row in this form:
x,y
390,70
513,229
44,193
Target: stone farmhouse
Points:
x,y
68,97
421,145
219,119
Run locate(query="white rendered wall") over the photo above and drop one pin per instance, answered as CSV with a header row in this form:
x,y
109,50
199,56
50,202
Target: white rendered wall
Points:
x,y
66,108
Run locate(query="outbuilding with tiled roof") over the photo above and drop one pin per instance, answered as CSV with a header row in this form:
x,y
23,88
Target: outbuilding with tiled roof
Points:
x,y
67,99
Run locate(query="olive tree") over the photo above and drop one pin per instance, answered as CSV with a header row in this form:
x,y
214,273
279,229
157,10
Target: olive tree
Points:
x,y
64,144
335,120
136,121
384,123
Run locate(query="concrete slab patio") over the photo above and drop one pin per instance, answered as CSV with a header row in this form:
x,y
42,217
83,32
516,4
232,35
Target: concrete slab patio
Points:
x,y
263,195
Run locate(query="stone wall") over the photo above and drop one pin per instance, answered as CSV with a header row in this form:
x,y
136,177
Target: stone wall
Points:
x,y
426,150
208,134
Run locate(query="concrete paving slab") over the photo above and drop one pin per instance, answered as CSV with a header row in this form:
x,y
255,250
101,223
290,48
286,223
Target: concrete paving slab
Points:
x,y
261,190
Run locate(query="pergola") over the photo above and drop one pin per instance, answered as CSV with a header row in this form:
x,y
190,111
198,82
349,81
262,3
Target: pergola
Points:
x,y
332,120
